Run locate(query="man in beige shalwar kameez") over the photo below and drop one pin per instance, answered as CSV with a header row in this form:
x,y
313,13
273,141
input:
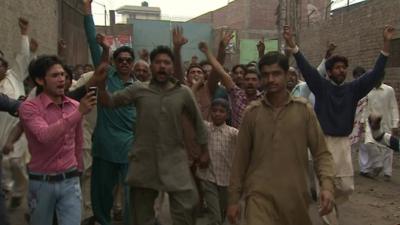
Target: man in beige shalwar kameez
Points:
x,y
270,166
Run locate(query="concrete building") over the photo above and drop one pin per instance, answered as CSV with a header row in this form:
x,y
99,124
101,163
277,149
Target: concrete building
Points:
x,y
144,12
253,20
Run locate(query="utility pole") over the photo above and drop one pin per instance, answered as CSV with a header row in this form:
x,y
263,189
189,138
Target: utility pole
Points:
x,y
105,15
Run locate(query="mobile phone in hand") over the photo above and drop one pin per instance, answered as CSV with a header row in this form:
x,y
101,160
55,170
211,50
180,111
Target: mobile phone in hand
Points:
x,y
94,90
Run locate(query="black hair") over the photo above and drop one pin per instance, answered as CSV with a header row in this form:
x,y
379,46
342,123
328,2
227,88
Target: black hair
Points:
x,y
161,49
4,62
251,71
194,65
221,102
358,71
90,65
335,59
274,57
124,49
39,67
204,62
69,71
244,68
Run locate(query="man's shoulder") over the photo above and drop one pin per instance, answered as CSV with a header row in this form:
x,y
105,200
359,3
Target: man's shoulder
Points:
x,y
302,102
254,105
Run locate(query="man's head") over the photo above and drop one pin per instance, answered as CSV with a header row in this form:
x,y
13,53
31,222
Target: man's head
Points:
x,y
87,68
68,77
219,111
141,70
251,82
238,73
123,59
194,73
161,66
48,74
336,67
207,67
358,72
78,71
274,67
293,78
3,68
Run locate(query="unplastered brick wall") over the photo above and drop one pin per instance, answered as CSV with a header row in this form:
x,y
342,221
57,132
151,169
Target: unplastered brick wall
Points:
x,y
43,18
357,31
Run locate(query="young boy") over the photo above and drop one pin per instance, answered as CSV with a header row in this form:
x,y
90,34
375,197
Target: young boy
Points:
x,y
215,178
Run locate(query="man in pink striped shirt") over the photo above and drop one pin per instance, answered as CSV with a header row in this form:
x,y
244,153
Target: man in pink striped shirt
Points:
x,y
53,127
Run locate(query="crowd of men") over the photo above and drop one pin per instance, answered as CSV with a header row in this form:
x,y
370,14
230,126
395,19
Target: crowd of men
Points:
x,y
254,144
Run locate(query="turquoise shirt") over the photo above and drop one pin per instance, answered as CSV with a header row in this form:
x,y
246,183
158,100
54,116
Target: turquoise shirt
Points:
x,y
113,135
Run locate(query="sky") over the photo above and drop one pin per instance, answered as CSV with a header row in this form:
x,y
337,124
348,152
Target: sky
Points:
x,y
177,9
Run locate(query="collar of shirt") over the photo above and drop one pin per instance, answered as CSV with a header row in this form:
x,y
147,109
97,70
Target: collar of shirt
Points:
x,y
175,82
334,83
217,128
267,103
47,101
130,81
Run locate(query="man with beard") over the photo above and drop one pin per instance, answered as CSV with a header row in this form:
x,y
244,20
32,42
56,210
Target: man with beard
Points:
x,y
159,161
335,105
239,98
113,135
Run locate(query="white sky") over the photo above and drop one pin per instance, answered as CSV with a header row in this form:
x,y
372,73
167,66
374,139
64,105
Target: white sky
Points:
x,y
175,9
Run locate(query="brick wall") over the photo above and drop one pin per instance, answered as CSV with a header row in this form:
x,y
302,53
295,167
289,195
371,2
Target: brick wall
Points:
x,y
43,17
357,30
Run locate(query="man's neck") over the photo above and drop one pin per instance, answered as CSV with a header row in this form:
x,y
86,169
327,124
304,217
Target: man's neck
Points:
x,y
56,99
251,95
164,85
278,99
124,77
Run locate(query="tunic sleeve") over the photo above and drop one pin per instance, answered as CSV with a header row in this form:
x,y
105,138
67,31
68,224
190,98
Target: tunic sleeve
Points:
x,y
241,159
323,160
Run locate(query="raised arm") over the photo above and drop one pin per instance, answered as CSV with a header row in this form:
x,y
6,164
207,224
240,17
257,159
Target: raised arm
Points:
x,y
321,68
261,48
310,74
105,59
366,82
90,31
20,67
178,41
215,78
219,70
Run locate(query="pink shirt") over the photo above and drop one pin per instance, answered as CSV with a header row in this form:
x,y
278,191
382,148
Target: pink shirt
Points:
x,y
54,134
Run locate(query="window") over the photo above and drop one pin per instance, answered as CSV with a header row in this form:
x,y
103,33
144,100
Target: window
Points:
x,y
343,3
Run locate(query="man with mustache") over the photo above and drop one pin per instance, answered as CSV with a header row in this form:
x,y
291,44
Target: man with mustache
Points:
x,y
159,161
335,106
273,195
113,135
